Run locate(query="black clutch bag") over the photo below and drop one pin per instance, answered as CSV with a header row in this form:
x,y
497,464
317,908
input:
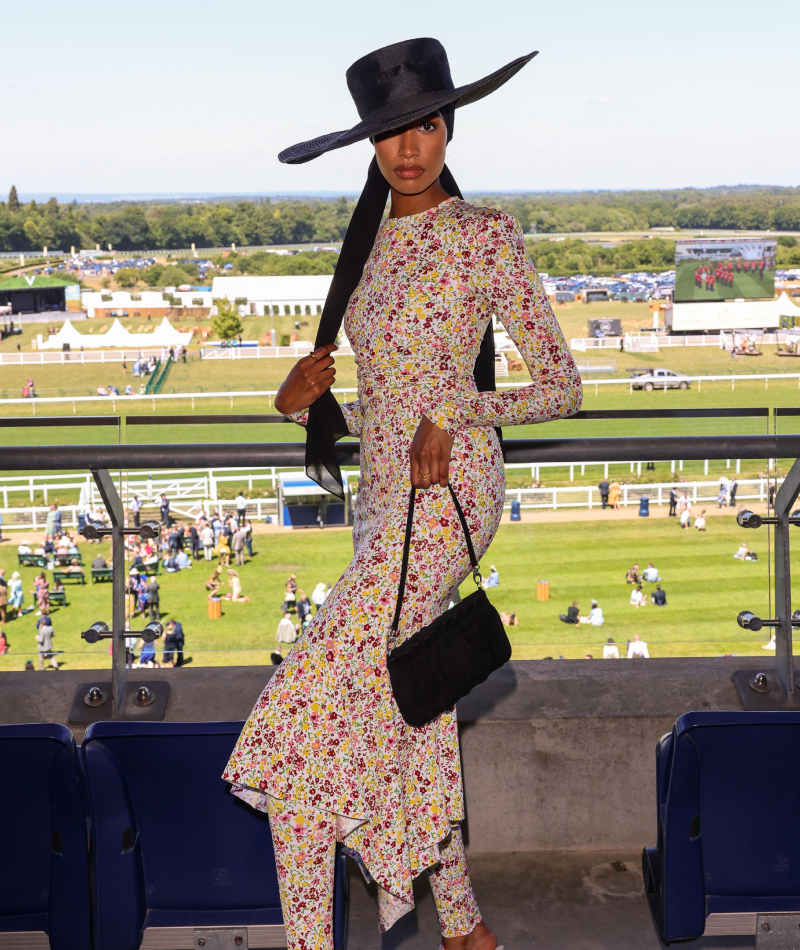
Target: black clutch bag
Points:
x,y
445,660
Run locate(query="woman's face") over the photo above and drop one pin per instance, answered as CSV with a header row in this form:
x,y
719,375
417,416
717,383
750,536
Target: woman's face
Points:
x,y
412,158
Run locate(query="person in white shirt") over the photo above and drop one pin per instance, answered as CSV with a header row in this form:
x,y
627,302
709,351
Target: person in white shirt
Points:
x,y
650,574
318,595
286,632
25,548
610,650
686,515
134,507
700,521
595,616
638,598
241,507
207,540
637,648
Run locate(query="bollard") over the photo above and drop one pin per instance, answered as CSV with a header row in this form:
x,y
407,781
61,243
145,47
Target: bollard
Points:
x,y
214,609
516,515
543,590
644,507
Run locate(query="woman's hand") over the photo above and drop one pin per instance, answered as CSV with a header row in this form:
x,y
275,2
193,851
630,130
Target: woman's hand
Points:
x,y
307,380
430,455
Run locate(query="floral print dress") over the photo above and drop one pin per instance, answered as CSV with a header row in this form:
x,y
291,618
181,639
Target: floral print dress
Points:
x,y
326,731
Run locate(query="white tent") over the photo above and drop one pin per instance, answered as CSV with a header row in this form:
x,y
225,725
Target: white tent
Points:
x,y
67,334
118,336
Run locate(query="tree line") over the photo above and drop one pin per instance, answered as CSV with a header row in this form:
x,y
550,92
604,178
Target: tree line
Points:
x,y
131,226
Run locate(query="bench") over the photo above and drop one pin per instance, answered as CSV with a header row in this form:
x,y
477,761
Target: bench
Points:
x,y
58,597
727,857
102,574
32,560
64,560
45,899
71,576
150,569
154,883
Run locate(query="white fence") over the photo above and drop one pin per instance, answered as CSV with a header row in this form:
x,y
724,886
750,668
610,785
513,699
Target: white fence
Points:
x,y
657,341
32,518
135,401
295,350
76,356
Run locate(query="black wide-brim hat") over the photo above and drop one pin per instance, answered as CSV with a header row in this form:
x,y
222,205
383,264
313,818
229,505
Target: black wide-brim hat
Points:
x,y
394,86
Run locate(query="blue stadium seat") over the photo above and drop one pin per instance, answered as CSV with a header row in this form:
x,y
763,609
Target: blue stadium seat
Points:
x,y
44,861
728,797
173,850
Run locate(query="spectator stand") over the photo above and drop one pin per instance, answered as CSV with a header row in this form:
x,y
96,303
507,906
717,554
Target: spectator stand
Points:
x,y
156,886
44,874
727,861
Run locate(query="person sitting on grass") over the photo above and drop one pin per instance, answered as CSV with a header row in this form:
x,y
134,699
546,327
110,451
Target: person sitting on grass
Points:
x,y
493,580
571,616
214,583
236,595
745,554
659,596
650,574
700,521
632,575
595,616
638,598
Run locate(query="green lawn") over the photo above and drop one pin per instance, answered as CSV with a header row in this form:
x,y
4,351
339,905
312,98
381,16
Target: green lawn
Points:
x,y
706,587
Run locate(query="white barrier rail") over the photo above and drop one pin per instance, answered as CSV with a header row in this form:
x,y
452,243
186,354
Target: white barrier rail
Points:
x,y
718,340
33,517
263,352
41,357
194,484
135,400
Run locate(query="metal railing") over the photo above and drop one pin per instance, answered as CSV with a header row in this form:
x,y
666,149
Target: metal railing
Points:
x,y
102,458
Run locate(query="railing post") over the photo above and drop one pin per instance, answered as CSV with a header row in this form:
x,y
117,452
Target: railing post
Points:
x,y
113,505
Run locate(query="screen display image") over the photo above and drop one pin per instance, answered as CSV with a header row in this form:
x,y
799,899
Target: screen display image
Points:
x,y
725,270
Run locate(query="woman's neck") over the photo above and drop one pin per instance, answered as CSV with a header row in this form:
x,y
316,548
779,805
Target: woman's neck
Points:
x,y
403,205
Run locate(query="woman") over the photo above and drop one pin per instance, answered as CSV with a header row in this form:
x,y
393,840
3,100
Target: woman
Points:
x,y
290,597
613,495
42,589
326,752
16,596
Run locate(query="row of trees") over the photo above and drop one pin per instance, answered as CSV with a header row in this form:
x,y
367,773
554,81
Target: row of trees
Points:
x,y
151,225
155,225
745,207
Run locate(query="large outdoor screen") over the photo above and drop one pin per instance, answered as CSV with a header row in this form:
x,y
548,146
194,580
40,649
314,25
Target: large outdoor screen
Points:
x,y
724,270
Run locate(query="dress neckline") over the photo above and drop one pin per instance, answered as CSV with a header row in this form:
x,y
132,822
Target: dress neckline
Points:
x,y
420,214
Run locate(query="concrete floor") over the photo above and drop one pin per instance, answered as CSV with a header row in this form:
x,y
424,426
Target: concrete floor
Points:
x,y
533,901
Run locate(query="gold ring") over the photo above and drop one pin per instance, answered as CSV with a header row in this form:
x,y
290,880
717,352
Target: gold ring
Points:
x,y
313,356
427,475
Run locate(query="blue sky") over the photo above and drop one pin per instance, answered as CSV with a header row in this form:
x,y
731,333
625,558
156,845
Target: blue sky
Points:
x,y
193,96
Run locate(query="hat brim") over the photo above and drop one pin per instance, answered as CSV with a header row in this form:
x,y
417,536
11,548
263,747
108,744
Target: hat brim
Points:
x,y
398,114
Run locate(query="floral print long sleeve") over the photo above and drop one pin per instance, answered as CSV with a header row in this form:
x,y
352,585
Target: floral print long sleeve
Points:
x,y
326,732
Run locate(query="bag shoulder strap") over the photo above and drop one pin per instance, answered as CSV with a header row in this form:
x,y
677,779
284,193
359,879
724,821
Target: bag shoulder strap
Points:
x,y
407,545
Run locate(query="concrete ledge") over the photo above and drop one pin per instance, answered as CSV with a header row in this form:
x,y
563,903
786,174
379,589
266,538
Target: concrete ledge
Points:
x,y
558,755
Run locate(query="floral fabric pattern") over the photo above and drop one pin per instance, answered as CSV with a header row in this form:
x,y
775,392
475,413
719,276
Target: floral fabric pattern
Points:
x,y
326,732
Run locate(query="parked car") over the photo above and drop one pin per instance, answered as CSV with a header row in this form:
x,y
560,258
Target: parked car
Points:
x,y
659,379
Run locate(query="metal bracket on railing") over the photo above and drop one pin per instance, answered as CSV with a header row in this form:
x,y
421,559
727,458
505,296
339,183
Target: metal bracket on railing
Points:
x,y
765,689
102,700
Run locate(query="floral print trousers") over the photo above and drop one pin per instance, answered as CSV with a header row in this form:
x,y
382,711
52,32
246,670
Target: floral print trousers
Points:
x,y
304,840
